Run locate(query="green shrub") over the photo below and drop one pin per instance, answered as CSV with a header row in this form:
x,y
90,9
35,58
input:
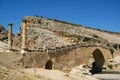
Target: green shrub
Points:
x,y
94,40
110,66
112,50
47,23
95,36
78,37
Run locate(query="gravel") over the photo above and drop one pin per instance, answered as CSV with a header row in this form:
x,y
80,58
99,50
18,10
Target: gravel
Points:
x,y
107,76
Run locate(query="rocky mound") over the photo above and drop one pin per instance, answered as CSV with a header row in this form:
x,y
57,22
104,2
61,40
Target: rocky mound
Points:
x,y
40,38
3,34
42,32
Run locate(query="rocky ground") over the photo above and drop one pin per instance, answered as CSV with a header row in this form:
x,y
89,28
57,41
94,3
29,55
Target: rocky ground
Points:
x,y
59,75
43,37
8,74
115,63
117,59
40,74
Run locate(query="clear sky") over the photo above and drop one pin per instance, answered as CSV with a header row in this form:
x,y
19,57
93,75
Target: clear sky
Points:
x,y
102,14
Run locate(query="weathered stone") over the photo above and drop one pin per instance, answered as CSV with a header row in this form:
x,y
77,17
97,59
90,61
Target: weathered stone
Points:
x,y
80,70
3,34
24,37
10,37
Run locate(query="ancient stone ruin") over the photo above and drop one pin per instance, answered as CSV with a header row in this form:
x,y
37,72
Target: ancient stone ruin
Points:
x,y
59,57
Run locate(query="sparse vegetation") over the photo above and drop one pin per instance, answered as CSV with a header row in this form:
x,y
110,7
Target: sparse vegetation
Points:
x,y
65,22
78,37
95,36
112,51
39,22
47,23
110,66
94,40
101,30
38,16
67,75
77,24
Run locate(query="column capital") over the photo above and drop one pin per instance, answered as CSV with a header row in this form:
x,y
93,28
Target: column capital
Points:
x,y
24,21
10,24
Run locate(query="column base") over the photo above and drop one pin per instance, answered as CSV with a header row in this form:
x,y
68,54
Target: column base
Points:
x,y
24,50
9,50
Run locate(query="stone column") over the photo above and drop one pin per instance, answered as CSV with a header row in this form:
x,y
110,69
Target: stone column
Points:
x,y
10,37
24,37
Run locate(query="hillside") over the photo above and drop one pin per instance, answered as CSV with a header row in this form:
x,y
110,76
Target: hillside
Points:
x,y
3,34
43,32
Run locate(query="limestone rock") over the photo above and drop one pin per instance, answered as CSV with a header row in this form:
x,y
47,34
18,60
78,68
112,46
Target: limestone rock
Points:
x,y
80,70
42,32
3,34
114,64
67,29
3,46
8,74
40,38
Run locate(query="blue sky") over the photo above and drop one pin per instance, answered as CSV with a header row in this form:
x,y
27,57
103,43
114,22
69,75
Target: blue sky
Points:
x,y
102,14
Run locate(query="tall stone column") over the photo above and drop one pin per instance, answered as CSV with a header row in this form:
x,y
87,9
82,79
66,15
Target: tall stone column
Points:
x,y
9,37
24,37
